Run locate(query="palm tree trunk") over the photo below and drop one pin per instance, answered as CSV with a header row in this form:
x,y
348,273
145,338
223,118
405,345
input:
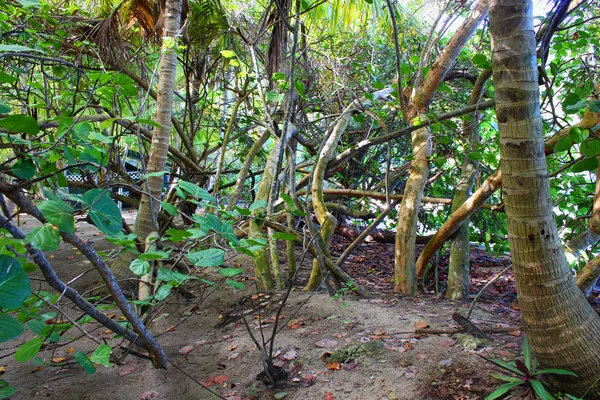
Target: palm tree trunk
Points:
x,y
146,221
563,329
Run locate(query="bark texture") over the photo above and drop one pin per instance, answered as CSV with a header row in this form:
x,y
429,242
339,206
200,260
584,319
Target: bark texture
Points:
x,y
563,329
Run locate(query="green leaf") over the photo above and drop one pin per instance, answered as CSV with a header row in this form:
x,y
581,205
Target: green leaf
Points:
x,y
6,390
167,275
236,285
178,235
10,328
540,390
4,108
14,283
169,208
29,350
510,366
45,238
587,164
526,353
83,360
258,204
163,292
502,390
563,144
506,378
104,212
196,191
227,53
207,258
140,267
153,255
30,3
16,48
37,326
576,134
590,148
284,236
101,355
556,371
230,272
19,123
58,213
159,173
24,168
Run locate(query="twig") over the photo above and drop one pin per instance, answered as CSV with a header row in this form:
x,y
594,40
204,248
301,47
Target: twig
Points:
x,y
483,289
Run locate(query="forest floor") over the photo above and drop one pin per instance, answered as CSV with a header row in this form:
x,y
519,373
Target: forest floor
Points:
x,y
207,342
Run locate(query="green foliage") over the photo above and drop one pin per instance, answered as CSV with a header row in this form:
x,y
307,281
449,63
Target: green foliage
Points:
x,y
525,372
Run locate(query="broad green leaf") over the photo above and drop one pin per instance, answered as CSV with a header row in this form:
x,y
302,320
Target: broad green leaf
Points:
x,y
590,148
207,258
29,350
58,213
576,134
257,205
4,108
236,285
140,267
16,48
45,238
284,236
159,173
163,292
24,168
83,360
587,164
169,208
10,328
104,212
230,272
196,191
6,390
563,144
502,390
14,283
168,275
506,378
21,124
178,235
227,53
36,326
101,355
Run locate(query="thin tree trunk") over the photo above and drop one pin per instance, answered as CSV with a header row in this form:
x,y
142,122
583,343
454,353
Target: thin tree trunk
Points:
x,y
146,221
405,267
563,329
458,269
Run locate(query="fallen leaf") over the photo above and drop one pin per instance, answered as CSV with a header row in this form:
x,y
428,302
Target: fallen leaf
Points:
x,y
186,349
280,395
327,343
208,381
58,359
70,350
219,380
108,331
421,325
149,395
295,324
126,371
170,329
2,370
516,333
446,363
329,396
38,368
350,366
233,356
290,355
334,366
307,377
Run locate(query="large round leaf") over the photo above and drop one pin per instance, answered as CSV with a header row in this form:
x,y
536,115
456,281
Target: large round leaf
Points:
x,y
46,238
10,328
20,123
207,258
29,350
14,283
104,212
59,214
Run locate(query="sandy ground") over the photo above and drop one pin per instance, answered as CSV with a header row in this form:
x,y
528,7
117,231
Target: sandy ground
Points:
x,y
208,344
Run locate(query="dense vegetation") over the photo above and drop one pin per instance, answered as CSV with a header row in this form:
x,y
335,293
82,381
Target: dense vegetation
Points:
x,y
225,123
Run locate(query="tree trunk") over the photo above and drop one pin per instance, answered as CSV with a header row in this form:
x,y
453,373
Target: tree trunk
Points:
x,y
147,216
563,329
458,270
405,267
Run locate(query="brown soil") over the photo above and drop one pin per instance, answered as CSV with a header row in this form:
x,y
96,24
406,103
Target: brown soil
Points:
x,y
207,342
